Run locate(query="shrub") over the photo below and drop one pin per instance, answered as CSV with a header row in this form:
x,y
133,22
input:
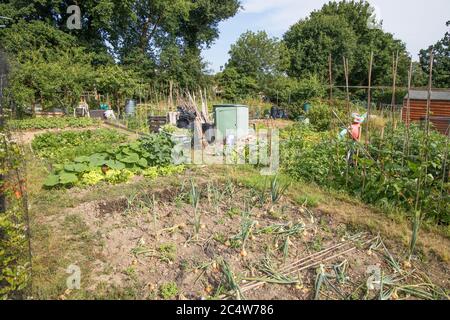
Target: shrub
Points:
x,y
14,267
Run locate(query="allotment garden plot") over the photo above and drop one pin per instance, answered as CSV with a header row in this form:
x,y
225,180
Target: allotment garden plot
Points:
x,y
141,228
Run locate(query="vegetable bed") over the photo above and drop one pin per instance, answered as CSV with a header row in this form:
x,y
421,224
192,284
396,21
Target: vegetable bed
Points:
x,y
51,123
150,156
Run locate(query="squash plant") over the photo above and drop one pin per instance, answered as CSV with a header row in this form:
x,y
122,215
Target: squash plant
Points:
x,y
67,145
51,123
117,164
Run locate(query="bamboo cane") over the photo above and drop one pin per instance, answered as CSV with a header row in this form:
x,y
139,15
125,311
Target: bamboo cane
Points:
x,y
408,115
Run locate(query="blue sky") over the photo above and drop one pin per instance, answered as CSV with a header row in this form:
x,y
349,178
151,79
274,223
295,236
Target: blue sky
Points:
x,y
419,23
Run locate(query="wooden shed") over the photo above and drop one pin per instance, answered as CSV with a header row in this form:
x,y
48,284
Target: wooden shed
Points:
x,y
440,108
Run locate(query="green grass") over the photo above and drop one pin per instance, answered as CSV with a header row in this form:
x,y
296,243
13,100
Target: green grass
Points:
x,y
167,252
309,200
168,290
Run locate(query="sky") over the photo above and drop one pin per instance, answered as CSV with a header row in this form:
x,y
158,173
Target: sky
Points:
x,y
419,23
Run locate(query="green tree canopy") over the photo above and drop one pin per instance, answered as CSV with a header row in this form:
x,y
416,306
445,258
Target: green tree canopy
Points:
x,y
441,67
312,40
139,34
256,62
258,56
345,28
235,86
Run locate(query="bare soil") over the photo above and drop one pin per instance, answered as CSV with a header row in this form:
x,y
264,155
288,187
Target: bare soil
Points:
x,y
126,236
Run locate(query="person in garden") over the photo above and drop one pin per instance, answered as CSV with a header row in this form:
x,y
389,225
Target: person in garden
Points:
x,y
355,128
355,134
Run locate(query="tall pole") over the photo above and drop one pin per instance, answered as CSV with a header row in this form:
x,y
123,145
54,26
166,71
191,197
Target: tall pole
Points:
x,y
330,77
1,99
394,86
430,86
346,73
408,113
2,195
369,99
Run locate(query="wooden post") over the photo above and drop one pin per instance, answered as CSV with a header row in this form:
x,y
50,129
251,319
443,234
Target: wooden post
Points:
x,y
430,86
171,94
369,99
394,86
330,77
346,73
408,101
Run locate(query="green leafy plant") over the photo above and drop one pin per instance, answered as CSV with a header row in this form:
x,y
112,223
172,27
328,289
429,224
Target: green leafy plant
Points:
x,y
51,123
168,290
70,145
118,164
382,173
277,189
91,178
167,252
14,261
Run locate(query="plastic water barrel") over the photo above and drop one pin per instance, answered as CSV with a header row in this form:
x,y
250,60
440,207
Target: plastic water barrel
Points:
x,y
130,107
306,107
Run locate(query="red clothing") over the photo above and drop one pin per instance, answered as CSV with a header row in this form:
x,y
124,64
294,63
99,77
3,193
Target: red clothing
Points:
x,y
355,131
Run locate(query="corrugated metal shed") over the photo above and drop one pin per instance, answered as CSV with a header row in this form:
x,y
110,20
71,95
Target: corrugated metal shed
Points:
x,y
435,95
440,108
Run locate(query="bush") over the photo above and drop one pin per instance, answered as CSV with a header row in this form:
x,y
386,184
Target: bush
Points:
x,y
14,267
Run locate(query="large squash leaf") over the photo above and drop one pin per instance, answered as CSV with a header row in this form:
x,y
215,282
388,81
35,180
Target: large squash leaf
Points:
x,y
68,178
143,163
51,181
115,165
132,158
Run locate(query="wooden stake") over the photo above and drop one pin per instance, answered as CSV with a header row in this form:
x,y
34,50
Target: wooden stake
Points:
x,y
394,86
330,77
408,112
346,73
369,99
430,86
171,95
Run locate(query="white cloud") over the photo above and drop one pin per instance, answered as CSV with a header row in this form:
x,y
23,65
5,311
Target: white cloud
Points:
x,y
260,6
279,15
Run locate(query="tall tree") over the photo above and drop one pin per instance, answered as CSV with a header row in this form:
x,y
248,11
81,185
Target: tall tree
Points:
x,y
312,40
257,55
441,68
136,32
256,61
356,34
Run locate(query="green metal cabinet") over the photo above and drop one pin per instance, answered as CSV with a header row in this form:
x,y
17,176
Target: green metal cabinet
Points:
x,y
231,119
